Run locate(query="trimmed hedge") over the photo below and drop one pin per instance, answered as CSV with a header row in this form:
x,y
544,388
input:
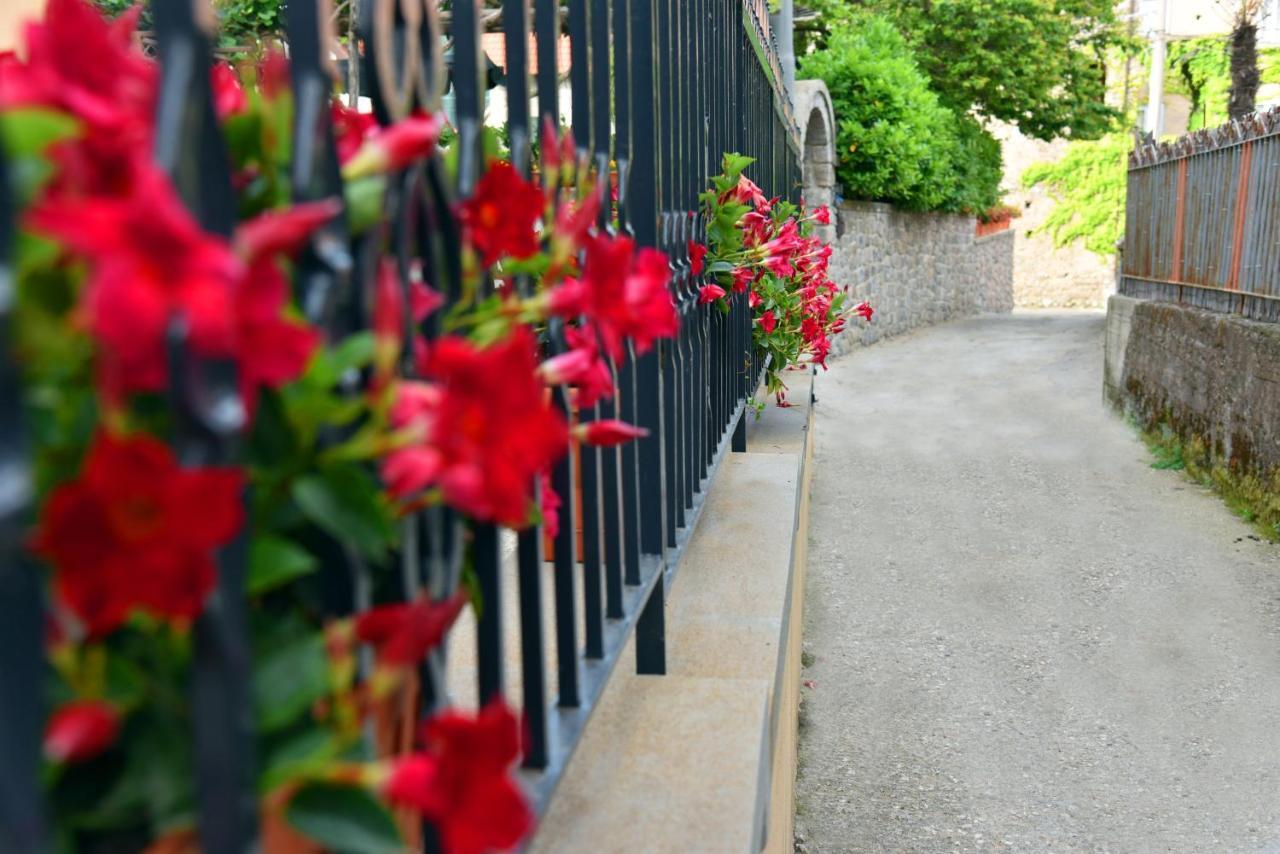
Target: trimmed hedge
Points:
x,y
895,141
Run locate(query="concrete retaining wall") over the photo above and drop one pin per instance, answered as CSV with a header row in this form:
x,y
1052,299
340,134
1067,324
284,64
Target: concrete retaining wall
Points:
x,y
1209,376
917,269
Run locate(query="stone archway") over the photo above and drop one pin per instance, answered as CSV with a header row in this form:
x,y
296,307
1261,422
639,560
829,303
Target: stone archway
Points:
x,y
817,146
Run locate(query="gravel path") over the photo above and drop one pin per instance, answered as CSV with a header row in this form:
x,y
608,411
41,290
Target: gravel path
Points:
x,y
1021,637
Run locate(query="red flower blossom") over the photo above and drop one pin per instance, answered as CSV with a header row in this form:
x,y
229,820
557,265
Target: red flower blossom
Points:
x,y
135,531
462,782
273,73
78,62
149,260
549,504
582,367
608,432
498,220
350,129
767,322
228,94
742,279
389,312
709,293
283,231
271,348
485,418
416,465
403,634
621,293
822,215
754,299
80,730
395,147
864,309
697,252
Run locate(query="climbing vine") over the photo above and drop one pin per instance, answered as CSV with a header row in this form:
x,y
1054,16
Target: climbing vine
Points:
x,y
1089,185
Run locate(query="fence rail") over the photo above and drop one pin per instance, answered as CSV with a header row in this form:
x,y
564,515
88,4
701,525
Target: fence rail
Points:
x,y
1202,219
659,89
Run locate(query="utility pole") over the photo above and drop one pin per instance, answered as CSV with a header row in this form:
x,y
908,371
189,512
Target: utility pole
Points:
x,y
1153,121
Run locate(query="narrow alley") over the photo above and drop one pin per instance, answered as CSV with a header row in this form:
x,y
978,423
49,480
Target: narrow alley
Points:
x,y
1018,634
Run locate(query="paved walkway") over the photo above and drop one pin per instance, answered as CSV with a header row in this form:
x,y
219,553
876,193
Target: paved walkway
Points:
x,y
1021,636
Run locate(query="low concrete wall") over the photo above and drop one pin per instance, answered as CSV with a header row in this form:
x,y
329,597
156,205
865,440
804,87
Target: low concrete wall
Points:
x,y
1209,376
917,269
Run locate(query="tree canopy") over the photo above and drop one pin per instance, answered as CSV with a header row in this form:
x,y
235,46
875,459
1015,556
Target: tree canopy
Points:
x,y
1039,64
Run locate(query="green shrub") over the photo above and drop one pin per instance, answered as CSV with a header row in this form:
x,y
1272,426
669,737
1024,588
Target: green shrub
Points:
x,y
895,142
1089,185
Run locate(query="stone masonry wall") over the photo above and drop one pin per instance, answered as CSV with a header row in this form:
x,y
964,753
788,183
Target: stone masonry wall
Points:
x,y
917,269
1208,376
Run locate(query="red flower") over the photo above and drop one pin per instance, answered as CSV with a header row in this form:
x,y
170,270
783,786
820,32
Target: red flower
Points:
x,y
273,73
350,129
709,293
549,504
767,322
697,252
462,783
135,531
742,279
621,293
394,147
864,309
403,634
754,299
79,63
417,465
228,94
80,730
580,366
608,432
499,219
389,312
283,231
271,348
822,215
485,417
149,260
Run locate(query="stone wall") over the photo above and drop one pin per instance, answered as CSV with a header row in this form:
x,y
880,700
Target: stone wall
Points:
x,y
1210,377
916,269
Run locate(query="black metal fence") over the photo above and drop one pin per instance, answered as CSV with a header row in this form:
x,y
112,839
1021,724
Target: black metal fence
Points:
x,y
1202,219
660,89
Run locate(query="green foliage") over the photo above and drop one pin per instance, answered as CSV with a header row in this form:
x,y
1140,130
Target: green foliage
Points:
x,y
1037,63
239,21
1253,496
344,818
1089,185
895,141
1201,70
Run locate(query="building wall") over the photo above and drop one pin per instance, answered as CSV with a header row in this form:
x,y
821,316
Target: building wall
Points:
x,y
917,269
12,15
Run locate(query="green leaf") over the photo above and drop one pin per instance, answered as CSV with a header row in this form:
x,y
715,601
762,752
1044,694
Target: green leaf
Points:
x,y
288,680
28,131
343,819
274,561
344,501
296,756
364,202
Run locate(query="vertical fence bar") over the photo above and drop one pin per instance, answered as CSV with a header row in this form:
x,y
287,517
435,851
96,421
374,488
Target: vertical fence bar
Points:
x,y
22,671
516,31
609,460
209,418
